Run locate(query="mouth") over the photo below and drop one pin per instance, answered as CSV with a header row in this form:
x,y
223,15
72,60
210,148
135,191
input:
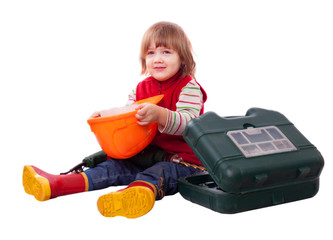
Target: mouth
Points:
x,y
159,68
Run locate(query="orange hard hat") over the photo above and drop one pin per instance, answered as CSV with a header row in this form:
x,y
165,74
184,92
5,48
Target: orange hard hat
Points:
x,y
120,136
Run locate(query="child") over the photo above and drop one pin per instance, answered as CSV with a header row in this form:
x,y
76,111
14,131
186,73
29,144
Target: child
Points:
x,y
166,55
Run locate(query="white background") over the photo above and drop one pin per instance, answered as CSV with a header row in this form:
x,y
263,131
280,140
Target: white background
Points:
x,y
62,60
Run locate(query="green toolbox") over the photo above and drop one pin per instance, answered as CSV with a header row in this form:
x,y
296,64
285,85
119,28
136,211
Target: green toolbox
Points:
x,y
253,161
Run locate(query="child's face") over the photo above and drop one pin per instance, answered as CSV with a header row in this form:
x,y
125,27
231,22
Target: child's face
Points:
x,y
162,62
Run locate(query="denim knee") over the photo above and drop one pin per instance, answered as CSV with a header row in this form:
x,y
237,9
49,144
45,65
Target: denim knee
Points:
x,y
111,173
164,176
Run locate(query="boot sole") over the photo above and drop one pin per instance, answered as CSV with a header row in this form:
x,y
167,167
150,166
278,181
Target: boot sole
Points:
x,y
35,184
132,202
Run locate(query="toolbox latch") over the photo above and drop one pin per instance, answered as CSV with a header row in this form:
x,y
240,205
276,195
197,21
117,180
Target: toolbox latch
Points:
x,y
303,172
260,179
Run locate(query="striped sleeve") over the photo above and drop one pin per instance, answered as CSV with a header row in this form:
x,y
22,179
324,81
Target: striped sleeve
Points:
x,y
131,97
188,106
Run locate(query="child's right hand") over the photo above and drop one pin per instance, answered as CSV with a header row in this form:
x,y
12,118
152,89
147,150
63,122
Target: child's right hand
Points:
x,y
95,115
114,111
103,113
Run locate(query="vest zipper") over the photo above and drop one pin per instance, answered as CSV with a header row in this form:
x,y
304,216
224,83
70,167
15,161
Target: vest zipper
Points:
x,y
159,87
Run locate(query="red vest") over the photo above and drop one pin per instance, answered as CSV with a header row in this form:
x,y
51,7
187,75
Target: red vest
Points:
x,y
171,89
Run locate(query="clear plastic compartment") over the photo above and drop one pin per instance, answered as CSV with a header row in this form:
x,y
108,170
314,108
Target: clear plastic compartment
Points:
x,y
261,141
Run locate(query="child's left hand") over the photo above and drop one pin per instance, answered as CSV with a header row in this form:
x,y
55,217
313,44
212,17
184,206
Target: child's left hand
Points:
x,y
149,113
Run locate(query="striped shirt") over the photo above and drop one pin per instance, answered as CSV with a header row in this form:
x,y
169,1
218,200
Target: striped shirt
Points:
x,y
188,106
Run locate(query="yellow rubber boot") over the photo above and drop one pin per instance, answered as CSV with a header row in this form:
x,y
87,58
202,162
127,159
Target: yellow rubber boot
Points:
x,y
35,185
134,201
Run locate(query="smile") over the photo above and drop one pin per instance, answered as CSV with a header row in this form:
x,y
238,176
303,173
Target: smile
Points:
x,y
159,68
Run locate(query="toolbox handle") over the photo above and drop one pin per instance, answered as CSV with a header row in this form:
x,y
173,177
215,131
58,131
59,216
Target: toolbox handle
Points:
x,y
258,117
255,117
211,123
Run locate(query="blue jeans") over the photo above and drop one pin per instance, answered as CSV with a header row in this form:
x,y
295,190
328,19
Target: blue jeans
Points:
x,y
163,175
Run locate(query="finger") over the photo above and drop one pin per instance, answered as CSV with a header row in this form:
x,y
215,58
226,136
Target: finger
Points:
x,y
95,115
139,107
138,116
142,123
142,111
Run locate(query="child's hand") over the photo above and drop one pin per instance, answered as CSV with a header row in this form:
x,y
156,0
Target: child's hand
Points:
x,y
149,113
95,115
106,112
101,113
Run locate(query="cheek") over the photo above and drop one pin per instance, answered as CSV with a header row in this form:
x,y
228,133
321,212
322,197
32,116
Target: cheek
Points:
x,y
177,62
148,62
177,65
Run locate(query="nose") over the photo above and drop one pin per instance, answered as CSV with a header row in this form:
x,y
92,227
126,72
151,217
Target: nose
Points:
x,y
158,58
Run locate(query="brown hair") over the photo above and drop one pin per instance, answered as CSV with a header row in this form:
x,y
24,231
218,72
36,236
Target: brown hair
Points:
x,y
169,35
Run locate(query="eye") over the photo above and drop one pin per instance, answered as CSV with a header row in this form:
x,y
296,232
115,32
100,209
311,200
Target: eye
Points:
x,y
166,52
150,52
